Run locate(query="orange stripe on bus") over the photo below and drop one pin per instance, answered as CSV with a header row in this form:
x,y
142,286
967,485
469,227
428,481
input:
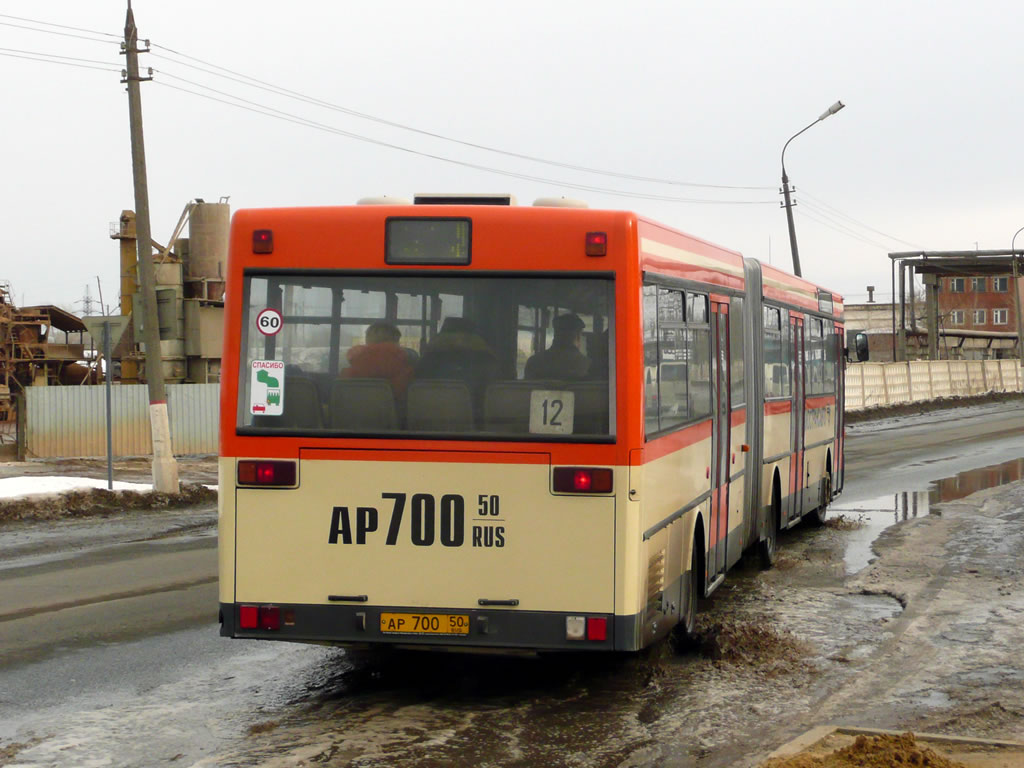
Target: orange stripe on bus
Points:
x,y
820,402
676,441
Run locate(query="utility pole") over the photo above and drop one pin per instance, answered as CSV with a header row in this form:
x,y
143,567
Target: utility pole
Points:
x,y
165,468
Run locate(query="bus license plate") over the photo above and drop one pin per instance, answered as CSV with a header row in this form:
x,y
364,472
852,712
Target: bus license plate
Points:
x,y
424,623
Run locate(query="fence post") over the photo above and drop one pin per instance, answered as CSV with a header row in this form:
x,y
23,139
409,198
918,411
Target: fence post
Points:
x,y
21,424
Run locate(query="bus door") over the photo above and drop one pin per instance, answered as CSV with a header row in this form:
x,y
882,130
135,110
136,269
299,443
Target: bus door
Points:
x,y
720,474
838,469
796,463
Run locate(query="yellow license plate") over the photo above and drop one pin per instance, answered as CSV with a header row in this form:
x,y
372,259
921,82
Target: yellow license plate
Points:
x,y
424,623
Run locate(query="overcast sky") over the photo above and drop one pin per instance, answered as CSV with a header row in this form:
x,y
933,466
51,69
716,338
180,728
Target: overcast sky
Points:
x,y
927,153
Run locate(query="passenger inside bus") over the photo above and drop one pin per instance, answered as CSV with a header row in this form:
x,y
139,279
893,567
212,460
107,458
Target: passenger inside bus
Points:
x,y
459,354
563,360
381,357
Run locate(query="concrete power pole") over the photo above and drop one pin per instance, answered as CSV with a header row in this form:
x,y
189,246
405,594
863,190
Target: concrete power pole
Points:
x,y
165,468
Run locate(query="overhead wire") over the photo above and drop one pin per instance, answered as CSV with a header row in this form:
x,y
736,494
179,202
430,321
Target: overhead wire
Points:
x,y
50,59
292,94
61,26
837,212
57,56
252,106
53,32
824,215
841,230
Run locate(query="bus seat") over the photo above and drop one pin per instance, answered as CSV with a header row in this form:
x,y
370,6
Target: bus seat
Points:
x,y
301,404
439,405
591,408
363,404
507,405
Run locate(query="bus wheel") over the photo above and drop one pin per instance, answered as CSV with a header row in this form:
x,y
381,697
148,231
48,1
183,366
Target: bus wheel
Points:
x,y
817,517
686,630
768,546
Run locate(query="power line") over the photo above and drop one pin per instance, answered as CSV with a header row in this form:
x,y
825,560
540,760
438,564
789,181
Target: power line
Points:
x,y
58,56
52,61
823,216
61,26
842,230
822,203
289,93
251,106
53,32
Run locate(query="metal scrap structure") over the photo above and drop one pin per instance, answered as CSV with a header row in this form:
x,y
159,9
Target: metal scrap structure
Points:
x,y
30,356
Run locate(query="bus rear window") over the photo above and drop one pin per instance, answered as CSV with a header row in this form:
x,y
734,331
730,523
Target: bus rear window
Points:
x,y
426,355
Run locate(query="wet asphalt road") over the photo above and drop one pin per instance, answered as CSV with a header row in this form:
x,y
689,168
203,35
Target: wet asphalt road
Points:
x,y
143,679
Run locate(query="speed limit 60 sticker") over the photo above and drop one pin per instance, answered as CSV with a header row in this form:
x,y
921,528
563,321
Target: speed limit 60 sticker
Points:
x,y
269,321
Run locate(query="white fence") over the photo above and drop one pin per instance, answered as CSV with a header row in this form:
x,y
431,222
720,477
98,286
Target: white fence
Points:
x,y
71,421
877,384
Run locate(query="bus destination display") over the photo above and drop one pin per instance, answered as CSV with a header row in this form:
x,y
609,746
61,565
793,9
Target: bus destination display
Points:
x,y
427,241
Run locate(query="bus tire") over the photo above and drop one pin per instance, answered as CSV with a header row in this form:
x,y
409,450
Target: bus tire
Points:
x,y
768,545
817,517
685,632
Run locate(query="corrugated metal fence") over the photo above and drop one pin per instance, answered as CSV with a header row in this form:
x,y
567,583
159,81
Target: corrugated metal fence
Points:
x,y
71,421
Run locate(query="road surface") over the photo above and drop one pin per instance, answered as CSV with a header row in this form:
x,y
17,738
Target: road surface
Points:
x,y
109,653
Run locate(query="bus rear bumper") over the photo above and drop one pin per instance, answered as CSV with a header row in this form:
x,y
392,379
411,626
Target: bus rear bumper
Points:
x,y
496,629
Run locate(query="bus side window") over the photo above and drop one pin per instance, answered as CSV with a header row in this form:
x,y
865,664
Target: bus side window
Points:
x,y
652,404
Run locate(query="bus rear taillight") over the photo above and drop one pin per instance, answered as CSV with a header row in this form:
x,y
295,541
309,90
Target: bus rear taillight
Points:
x,y
259,617
266,473
582,480
593,628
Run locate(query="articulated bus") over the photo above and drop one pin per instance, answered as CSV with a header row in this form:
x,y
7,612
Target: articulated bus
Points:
x,y
469,424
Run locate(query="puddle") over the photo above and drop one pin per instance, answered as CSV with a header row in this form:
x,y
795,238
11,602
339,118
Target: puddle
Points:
x,y
876,514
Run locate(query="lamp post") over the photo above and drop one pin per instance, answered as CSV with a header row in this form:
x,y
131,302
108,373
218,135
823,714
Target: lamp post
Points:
x,y
1016,296
785,187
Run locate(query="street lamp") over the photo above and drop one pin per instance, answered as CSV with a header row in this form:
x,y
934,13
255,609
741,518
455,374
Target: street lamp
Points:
x,y
1016,295
785,187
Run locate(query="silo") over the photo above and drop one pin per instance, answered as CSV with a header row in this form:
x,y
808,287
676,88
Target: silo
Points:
x,y
208,229
205,256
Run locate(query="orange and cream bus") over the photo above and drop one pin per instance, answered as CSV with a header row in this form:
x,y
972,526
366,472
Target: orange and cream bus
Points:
x,y
478,425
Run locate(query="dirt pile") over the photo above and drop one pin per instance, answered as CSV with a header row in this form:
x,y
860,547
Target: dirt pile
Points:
x,y
871,752
95,502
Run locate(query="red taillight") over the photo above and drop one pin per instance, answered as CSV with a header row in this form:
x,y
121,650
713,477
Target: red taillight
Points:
x,y
270,617
262,241
597,243
597,628
582,480
248,616
266,473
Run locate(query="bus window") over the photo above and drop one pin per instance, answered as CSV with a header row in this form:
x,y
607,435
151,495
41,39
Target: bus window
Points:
x,y
831,358
652,405
698,345
736,351
778,353
434,353
672,360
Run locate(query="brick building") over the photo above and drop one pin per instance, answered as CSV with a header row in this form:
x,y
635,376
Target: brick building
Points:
x,y
982,303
